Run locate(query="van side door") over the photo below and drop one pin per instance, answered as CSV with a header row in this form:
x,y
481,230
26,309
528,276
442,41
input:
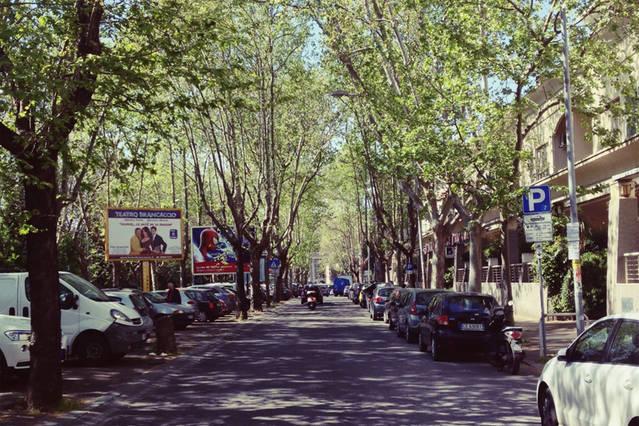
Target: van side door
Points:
x,y
9,294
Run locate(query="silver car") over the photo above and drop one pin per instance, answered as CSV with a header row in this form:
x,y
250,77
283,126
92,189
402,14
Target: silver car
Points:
x,y
183,315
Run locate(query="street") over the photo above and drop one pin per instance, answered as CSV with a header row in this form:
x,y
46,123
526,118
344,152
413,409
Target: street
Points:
x,y
328,366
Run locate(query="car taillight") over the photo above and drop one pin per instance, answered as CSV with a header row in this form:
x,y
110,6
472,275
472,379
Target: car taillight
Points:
x,y
211,305
378,300
413,308
442,320
515,334
191,302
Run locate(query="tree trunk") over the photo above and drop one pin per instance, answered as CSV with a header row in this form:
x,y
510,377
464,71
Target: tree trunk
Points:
x,y
438,259
256,255
240,286
45,381
474,276
505,275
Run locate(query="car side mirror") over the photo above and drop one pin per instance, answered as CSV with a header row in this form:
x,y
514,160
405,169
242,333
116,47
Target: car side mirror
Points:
x,y
562,355
68,301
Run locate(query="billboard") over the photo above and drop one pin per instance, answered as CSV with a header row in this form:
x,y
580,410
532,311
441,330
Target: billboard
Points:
x,y
211,253
144,234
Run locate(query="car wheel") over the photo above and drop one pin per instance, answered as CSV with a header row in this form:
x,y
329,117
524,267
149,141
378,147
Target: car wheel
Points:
x,y
435,349
93,349
421,343
4,371
548,411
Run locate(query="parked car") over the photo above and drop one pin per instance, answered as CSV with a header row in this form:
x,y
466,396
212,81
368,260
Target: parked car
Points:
x,y
365,294
457,321
378,301
412,308
183,314
133,299
229,298
392,305
347,290
325,289
96,328
353,292
207,307
596,379
15,335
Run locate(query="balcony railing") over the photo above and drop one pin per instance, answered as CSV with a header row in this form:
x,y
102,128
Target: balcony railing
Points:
x,y
632,267
519,272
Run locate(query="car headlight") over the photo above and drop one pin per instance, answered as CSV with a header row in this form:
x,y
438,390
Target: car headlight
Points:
x,y
119,316
179,311
18,335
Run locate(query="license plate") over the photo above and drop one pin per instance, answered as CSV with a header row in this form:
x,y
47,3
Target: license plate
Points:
x,y
472,327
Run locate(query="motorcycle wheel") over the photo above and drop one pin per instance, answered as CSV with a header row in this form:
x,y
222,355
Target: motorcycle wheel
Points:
x,y
509,362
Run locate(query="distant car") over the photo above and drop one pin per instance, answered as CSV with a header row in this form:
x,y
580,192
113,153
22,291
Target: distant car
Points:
x,y
133,299
353,292
222,293
206,305
15,336
392,306
347,289
595,381
366,293
183,314
411,309
378,302
325,289
457,321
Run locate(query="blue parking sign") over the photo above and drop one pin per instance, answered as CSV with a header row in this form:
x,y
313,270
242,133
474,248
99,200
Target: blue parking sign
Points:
x,y
537,200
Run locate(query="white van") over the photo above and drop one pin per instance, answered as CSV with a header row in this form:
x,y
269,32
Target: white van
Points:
x,y
15,334
96,328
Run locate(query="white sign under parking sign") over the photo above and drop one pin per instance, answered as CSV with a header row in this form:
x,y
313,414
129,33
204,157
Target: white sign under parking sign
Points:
x,y
538,227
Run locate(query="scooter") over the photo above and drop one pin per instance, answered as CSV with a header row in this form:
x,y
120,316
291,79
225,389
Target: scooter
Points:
x,y
311,302
506,353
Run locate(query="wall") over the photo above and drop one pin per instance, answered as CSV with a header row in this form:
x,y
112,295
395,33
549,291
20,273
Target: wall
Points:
x,y
626,298
525,299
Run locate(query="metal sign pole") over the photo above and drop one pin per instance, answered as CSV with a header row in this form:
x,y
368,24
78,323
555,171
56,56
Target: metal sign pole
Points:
x,y
542,317
570,147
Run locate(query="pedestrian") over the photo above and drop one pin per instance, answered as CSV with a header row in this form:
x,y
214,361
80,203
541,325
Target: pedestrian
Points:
x,y
173,295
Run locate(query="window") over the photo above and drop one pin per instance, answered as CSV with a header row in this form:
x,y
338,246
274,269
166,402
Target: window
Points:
x,y
632,114
64,293
461,304
540,162
592,344
84,287
625,347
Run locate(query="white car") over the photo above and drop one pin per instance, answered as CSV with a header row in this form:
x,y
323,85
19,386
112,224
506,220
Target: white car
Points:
x,y
15,334
595,381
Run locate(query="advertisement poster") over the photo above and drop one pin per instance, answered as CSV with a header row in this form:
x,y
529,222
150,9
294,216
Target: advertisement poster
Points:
x,y
211,253
144,234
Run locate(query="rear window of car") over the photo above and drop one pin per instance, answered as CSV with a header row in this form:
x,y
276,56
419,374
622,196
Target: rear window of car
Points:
x,y
384,292
424,298
196,295
470,303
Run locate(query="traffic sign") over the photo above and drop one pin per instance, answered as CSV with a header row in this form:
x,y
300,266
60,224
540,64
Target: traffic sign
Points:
x,y
537,200
274,263
537,217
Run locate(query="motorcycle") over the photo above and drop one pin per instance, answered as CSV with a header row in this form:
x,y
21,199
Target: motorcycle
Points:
x,y
506,352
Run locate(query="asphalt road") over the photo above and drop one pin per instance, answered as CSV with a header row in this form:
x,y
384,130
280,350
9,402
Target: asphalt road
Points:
x,y
329,366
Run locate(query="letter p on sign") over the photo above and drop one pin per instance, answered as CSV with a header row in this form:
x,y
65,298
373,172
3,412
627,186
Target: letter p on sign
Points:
x,y
537,200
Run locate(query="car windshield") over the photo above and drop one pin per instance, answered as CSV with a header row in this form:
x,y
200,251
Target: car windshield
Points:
x,y
384,292
210,296
200,296
470,303
138,302
155,298
423,298
85,288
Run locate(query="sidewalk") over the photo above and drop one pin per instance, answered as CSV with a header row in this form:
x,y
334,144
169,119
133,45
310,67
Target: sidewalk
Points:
x,y
559,334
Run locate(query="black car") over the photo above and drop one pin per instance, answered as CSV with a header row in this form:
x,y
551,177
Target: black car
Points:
x,y
391,306
456,322
411,309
